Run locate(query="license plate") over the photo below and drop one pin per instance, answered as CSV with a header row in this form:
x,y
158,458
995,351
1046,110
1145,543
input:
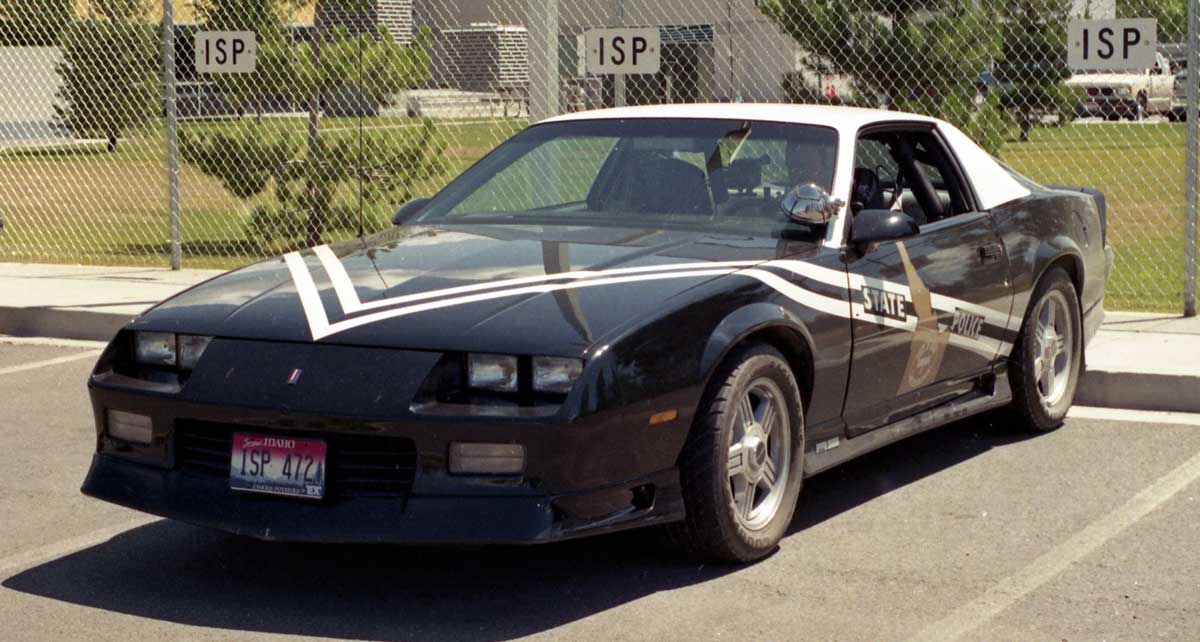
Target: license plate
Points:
x,y
278,465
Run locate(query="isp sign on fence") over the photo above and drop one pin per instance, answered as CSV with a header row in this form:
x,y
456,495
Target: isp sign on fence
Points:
x,y
226,52
623,51
1112,45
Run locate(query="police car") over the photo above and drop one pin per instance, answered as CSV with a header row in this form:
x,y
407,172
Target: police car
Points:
x,y
666,315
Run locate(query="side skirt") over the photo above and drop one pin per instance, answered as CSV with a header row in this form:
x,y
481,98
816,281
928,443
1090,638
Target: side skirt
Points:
x,y
993,392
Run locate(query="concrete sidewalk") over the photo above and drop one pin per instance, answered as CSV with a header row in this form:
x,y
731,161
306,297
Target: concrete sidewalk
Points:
x,y
1145,361
1142,361
83,302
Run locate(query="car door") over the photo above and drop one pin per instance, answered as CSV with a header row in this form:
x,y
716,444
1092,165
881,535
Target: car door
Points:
x,y
929,312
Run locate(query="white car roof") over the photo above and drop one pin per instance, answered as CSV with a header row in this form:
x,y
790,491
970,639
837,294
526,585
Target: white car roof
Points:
x,y
841,118
994,186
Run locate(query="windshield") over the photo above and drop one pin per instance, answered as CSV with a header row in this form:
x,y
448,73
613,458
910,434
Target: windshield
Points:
x,y
721,174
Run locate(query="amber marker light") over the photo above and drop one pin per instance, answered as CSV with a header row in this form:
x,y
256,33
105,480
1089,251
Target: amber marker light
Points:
x,y
663,417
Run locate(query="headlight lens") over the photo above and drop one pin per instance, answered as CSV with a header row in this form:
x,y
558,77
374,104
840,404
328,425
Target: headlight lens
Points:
x,y
496,372
169,349
1123,91
155,348
191,346
555,374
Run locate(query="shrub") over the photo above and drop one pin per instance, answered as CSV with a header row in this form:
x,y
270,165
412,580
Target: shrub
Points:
x,y
110,79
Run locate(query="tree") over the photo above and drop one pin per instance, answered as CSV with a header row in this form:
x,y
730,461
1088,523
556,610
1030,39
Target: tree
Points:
x,y
1033,62
33,23
1171,16
122,11
110,80
305,184
917,55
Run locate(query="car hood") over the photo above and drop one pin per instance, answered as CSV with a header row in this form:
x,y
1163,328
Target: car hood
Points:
x,y
503,288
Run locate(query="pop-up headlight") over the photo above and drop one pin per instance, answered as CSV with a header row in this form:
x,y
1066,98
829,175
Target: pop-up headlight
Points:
x,y
154,348
169,349
555,374
496,372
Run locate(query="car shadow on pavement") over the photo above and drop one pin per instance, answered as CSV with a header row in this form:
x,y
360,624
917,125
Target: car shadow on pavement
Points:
x,y
172,572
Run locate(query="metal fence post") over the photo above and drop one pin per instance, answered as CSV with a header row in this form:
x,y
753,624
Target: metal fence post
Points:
x,y
543,59
1193,143
168,29
618,20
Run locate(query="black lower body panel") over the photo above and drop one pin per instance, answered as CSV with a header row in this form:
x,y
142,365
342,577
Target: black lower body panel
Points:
x,y
206,500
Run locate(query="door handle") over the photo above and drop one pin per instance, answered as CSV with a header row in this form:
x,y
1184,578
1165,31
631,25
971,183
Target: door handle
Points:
x,y
991,252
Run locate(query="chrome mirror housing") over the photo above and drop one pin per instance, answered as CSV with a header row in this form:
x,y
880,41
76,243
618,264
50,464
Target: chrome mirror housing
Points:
x,y
810,204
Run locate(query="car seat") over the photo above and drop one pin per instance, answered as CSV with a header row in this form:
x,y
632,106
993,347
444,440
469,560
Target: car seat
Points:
x,y
867,193
653,183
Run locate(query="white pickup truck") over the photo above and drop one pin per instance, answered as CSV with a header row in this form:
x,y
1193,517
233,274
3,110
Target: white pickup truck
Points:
x,y
1127,94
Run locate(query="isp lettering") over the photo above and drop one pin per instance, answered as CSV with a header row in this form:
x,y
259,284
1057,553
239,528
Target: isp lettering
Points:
x,y
622,48
258,462
228,51
1130,38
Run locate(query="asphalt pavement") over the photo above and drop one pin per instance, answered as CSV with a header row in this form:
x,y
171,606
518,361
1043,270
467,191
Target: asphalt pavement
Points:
x,y
968,532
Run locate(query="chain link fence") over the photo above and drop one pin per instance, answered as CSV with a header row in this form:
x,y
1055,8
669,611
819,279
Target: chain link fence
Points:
x,y
354,106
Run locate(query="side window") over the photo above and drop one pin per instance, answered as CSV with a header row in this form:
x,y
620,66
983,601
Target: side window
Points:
x,y
875,173
907,171
875,155
932,161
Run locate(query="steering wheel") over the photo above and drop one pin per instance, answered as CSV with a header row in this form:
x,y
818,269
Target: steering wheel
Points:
x,y
897,189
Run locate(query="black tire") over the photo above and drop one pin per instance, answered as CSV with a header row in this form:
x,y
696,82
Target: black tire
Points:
x,y
711,530
1034,407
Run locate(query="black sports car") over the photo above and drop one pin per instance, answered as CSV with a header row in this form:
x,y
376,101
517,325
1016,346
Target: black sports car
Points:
x,y
662,315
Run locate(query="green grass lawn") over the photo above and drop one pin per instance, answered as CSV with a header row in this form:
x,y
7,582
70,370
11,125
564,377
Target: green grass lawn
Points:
x,y
81,204
1140,169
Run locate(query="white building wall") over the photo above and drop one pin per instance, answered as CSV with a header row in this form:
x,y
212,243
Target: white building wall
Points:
x,y
31,87
749,54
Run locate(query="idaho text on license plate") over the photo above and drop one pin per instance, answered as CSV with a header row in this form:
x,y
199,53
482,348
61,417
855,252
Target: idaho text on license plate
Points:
x,y
278,465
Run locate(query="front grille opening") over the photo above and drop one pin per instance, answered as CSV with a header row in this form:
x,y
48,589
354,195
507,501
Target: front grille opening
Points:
x,y
358,465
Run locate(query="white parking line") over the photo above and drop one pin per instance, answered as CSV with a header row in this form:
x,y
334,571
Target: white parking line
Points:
x,y
90,354
14,563
1009,590
1135,416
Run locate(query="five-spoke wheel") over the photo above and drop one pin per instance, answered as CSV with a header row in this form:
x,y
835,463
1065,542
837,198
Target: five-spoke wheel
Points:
x,y
1053,346
743,463
1045,364
759,454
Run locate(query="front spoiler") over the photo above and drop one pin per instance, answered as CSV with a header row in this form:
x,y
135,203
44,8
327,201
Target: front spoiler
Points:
x,y
416,519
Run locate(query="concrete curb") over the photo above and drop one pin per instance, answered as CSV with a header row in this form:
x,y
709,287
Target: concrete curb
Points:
x,y
1139,391
61,323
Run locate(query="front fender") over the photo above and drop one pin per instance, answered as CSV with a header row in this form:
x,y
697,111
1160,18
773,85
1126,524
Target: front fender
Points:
x,y
746,321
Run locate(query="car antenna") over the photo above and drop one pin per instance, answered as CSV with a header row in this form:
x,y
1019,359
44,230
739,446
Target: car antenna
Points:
x,y
361,155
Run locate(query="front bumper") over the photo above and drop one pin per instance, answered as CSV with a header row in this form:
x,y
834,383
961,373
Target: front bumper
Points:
x,y
415,519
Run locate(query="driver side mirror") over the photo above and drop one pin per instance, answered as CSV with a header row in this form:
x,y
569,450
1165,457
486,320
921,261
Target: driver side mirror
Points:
x,y
810,204
409,210
874,226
